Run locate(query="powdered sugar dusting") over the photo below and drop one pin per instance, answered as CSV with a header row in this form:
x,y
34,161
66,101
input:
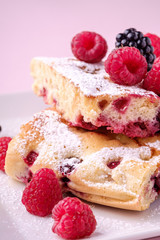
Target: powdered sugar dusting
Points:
x,y
63,143
90,78
155,144
100,159
57,141
125,152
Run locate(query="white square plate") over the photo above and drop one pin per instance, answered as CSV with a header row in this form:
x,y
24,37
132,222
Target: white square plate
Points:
x,y
17,224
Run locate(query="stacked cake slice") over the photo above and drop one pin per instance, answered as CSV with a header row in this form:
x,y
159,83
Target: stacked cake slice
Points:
x,y
85,137
86,97
109,169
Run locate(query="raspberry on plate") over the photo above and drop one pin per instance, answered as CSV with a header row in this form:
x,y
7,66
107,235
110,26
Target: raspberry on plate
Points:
x,y
4,141
73,219
152,80
155,40
89,47
42,193
126,66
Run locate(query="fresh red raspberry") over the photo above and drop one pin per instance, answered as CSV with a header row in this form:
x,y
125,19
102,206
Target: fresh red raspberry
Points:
x,y
89,47
73,219
126,66
152,80
42,193
155,40
4,141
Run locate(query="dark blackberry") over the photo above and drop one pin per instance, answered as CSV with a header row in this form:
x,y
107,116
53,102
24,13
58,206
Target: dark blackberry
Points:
x,y
133,38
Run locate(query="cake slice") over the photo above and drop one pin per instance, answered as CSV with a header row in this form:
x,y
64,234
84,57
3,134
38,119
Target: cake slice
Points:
x,y
85,96
109,169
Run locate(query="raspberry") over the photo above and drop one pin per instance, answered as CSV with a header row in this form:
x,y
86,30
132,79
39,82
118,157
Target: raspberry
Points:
x,y
152,80
42,193
4,141
73,219
126,66
31,157
89,47
121,104
155,40
113,164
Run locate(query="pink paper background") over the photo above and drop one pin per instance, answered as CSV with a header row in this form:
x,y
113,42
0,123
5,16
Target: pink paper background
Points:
x,y
45,28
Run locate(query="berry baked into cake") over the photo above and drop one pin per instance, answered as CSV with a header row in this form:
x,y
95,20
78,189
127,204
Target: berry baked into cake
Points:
x,y
109,169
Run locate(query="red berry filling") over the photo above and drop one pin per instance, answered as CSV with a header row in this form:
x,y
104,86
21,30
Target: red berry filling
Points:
x,y
43,93
132,129
140,129
89,47
81,123
31,157
126,66
113,164
121,104
27,178
156,180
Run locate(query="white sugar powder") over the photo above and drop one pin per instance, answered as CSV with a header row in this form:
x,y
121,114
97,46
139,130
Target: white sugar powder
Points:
x,y
92,79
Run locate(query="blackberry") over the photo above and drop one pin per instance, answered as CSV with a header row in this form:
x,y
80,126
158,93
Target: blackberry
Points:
x,y
133,38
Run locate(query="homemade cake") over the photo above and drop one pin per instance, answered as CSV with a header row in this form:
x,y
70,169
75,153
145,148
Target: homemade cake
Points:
x,y
110,169
85,96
